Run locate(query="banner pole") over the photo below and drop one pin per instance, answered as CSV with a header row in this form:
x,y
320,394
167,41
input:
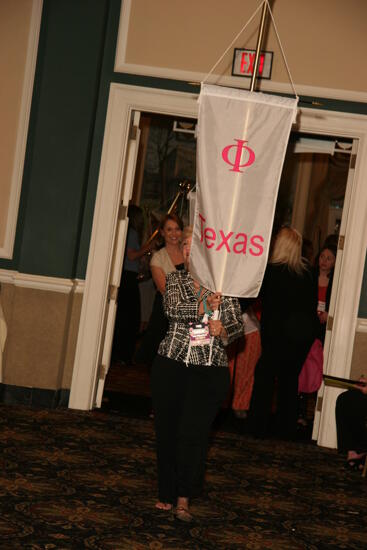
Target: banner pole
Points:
x,y
253,80
258,45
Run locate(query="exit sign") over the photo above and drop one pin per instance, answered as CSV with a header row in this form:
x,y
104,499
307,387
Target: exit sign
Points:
x,y
244,61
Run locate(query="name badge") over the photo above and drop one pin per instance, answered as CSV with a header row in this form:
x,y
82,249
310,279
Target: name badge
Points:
x,y
199,334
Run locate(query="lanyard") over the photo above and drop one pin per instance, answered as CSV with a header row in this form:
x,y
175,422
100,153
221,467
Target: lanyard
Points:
x,y
207,311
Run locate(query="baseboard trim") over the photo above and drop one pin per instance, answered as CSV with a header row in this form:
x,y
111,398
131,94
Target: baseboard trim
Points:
x,y
361,325
42,282
34,397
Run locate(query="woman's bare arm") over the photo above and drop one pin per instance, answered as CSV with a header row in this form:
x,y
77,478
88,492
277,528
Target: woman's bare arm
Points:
x,y
159,278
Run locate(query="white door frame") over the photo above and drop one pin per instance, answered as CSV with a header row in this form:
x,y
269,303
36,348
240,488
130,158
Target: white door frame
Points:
x,y
122,101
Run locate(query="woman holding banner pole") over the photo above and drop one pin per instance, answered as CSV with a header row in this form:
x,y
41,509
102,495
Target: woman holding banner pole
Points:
x,y
190,380
289,325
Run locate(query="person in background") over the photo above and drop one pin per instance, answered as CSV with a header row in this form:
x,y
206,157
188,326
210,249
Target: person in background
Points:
x,y
288,328
164,261
331,241
351,419
325,274
169,258
128,304
190,380
242,359
307,250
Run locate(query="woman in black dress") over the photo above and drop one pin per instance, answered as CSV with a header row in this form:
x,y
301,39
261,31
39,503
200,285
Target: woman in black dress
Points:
x,y
289,326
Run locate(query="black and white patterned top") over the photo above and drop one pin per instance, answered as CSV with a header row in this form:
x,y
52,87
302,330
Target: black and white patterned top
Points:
x,y
181,307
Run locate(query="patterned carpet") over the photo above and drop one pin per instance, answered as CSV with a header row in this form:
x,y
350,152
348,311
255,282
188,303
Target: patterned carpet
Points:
x,y
72,480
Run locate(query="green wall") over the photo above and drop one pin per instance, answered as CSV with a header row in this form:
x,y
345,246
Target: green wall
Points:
x,y
60,138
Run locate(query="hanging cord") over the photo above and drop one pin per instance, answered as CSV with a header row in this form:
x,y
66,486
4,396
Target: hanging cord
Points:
x,y
233,41
239,34
282,50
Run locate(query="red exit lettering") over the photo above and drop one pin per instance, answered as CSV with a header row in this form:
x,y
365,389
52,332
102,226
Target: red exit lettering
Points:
x,y
247,63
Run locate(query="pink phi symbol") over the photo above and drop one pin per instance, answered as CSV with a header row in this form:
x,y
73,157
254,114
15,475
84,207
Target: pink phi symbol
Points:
x,y
240,147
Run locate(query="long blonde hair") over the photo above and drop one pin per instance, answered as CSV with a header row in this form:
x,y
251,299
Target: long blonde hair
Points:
x,y
287,249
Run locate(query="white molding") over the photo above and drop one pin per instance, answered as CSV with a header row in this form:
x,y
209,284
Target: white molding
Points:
x,y
350,282
361,325
239,82
41,282
79,285
7,276
123,33
122,101
22,131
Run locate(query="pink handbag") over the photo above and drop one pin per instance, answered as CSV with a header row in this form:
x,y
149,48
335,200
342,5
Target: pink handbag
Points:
x,y
310,377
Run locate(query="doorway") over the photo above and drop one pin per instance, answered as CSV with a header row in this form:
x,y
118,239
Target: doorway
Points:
x,y
165,171
114,183
313,186
311,199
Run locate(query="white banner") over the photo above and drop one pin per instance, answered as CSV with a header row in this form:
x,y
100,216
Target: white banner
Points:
x,y
242,140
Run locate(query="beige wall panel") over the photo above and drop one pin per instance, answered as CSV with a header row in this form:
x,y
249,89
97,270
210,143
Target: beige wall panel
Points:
x,y
72,331
7,299
323,40
35,349
359,358
188,35
15,18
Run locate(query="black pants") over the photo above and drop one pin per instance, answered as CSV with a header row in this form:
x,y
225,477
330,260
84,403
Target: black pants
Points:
x,y
351,418
282,361
127,317
185,401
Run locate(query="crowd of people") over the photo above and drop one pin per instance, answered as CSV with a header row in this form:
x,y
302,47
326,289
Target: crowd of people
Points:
x,y
194,335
